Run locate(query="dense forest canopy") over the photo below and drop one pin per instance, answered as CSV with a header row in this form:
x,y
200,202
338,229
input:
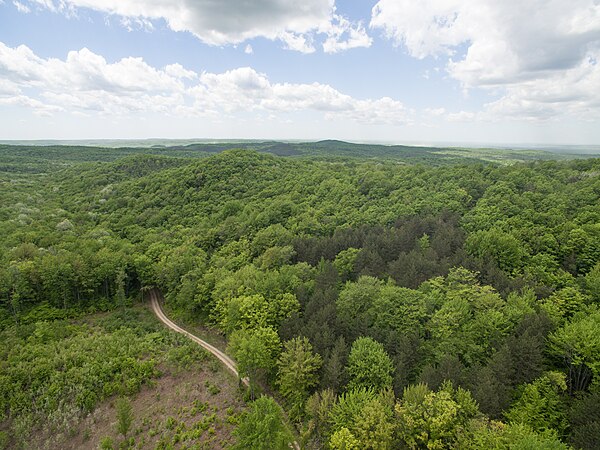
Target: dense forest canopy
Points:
x,y
408,299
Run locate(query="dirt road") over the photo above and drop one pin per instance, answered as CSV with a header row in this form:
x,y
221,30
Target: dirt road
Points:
x,y
229,363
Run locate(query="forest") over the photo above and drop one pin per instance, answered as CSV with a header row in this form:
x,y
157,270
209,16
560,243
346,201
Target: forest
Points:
x,y
376,297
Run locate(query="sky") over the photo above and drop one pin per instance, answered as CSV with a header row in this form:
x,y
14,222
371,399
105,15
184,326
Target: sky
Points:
x,y
402,71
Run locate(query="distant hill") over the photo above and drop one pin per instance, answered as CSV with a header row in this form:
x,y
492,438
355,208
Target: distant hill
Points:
x,y
35,157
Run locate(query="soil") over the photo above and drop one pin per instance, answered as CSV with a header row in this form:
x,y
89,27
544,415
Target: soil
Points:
x,y
193,408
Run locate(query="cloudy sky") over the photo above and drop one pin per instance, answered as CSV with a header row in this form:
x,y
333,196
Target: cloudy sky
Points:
x,y
484,71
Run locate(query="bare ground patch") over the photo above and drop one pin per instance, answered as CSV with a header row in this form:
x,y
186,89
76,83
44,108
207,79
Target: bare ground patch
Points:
x,y
195,408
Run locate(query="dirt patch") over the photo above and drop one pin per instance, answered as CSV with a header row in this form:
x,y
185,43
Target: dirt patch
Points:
x,y
192,408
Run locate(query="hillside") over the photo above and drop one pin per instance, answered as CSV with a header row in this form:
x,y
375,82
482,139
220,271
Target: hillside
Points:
x,y
386,284
39,157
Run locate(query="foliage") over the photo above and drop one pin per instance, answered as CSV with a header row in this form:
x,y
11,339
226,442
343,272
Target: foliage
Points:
x,y
124,416
256,352
577,344
434,420
343,439
496,435
369,365
540,405
297,373
461,264
55,372
263,427
366,415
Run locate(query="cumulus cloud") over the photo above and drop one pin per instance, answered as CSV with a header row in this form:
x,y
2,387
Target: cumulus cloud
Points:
x,y
573,92
222,22
85,82
536,52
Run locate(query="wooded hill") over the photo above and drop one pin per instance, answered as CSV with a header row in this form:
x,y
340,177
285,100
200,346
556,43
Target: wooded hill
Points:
x,y
430,300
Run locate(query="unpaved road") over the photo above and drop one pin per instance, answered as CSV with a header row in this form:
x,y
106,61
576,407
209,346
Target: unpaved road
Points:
x,y
229,363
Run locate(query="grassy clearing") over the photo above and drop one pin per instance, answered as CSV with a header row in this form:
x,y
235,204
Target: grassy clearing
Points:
x,y
60,380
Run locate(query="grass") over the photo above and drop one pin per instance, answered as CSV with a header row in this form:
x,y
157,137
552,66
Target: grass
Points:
x,y
60,381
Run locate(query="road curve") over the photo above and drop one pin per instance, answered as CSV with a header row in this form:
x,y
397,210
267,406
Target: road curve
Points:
x,y
229,363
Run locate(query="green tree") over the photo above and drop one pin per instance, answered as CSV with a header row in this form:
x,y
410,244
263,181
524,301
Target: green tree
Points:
x,y
471,320
518,436
584,420
592,283
124,416
369,365
120,287
577,345
345,261
297,373
318,407
367,416
563,304
434,420
343,439
505,249
274,257
373,427
355,302
398,309
255,352
247,312
263,427
540,405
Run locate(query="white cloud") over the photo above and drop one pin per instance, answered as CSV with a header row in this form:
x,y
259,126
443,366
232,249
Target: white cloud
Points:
x,y
248,50
436,112
137,23
40,108
298,42
223,22
536,52
22,8
573,92
86,83
425,28
178,71
381,111
344,35
461,116
8,88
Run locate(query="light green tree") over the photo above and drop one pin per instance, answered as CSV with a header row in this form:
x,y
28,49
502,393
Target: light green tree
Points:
x,y
433,420
245,312
369,365
578,345
297,373
255,352
345,261
343,439
263,427
497,435
368,417
563,304
540,405
373,427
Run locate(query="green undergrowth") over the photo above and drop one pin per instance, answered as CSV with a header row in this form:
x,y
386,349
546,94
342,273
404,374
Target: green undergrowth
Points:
x,y
52,373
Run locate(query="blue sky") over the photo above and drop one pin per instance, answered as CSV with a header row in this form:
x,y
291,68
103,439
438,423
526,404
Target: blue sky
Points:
x,y
388,70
